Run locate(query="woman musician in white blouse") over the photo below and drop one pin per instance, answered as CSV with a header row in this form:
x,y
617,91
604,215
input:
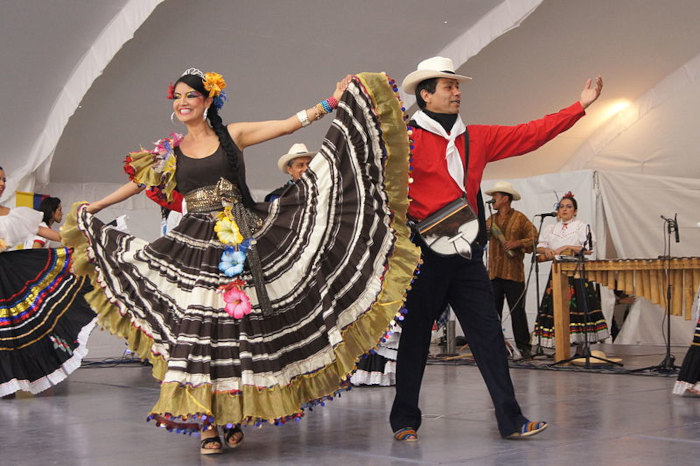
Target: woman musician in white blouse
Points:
x,y
569,236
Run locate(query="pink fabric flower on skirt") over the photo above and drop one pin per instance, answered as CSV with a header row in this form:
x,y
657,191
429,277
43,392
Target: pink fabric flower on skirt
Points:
x,y
237,301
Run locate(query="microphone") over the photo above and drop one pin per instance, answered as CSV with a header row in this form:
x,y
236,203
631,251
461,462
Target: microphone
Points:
x,y
675,224
492,201
589,238
547,214
672,226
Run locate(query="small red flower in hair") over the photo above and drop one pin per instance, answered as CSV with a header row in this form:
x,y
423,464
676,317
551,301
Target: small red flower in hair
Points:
x,y
171,91
569,195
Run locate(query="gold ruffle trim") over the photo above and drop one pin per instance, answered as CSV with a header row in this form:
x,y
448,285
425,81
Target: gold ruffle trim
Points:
x,y
142,163
108,315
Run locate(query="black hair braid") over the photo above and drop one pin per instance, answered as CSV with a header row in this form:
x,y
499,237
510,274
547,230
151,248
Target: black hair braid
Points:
x,y
231,153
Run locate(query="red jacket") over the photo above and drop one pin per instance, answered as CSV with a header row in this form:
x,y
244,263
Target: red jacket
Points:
x,y
433,187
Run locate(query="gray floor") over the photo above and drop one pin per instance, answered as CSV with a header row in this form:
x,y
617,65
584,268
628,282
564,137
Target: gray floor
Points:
x,y
97,417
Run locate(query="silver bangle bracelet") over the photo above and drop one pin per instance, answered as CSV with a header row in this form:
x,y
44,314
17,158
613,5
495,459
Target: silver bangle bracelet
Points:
x,y
303,118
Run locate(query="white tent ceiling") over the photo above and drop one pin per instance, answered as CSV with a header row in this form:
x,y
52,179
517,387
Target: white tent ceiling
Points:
x,y
280,56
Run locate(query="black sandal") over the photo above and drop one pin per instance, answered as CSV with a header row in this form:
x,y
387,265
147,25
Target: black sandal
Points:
x,y
230,434
203,450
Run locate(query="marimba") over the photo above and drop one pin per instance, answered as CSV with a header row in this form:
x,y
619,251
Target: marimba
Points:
x,y
645,278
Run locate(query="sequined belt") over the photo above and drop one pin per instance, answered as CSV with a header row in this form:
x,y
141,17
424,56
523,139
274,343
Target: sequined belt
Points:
x,y
213,198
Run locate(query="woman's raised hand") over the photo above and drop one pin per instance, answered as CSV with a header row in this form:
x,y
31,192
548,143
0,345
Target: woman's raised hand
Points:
x,y
341,86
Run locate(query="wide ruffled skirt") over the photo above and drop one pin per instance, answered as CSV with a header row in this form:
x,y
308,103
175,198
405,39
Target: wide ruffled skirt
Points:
x,y
44,319
689,374
336,260
379,366
583,325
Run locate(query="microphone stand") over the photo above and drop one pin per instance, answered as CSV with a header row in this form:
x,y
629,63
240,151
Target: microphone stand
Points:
x,y
580,285
667,366
538,349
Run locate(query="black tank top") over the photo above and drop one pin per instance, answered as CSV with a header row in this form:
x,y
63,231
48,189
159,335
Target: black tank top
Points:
x,y
194,173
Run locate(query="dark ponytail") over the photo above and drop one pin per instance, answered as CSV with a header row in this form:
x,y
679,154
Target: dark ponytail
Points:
x,y
225,139
48,207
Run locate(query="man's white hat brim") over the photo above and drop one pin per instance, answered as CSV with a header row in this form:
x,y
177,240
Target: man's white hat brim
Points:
x,y
286,158
411,81
503,187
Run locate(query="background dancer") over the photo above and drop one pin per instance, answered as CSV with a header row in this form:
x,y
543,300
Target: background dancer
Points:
x,y
53,214
44,320
294,163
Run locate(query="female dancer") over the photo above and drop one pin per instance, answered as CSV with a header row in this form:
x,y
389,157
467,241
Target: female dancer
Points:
x,y
251,312
567,237
44,320
379,367
688,382
53,213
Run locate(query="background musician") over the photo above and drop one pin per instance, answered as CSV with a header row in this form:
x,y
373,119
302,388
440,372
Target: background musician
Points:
x,y
567,237
512,235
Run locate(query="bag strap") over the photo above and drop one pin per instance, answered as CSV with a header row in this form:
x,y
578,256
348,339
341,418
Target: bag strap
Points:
x,y
481,237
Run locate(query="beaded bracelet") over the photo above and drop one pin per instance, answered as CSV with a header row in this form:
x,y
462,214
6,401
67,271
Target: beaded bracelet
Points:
x,y
320,111
322,108
326,106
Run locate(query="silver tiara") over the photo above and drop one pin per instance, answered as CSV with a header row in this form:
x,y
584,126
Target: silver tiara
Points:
x,y
196,71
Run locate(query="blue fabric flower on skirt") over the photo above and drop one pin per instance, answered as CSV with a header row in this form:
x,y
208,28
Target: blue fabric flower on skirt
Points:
x,y
232,261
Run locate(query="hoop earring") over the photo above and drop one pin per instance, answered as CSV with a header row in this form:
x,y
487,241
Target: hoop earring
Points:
x,y
172,118
206,112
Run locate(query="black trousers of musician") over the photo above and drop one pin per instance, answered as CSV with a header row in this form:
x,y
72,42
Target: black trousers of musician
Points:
x,y
512,291
465,285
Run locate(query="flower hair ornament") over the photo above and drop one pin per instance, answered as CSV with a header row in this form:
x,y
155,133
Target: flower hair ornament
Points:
x,y
215,84
568,194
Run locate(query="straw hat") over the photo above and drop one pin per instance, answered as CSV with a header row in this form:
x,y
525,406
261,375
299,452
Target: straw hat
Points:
x,y
596,362
297,150
503,187
435,67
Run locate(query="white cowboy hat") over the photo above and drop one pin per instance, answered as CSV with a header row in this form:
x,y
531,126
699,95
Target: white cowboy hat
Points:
x,y
503,187
297,150
435,67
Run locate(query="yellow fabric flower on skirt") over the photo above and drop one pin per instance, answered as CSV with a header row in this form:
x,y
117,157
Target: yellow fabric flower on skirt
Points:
x,y
227,230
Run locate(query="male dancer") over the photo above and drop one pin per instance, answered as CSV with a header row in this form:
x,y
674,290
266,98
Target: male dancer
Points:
x,y
442,144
